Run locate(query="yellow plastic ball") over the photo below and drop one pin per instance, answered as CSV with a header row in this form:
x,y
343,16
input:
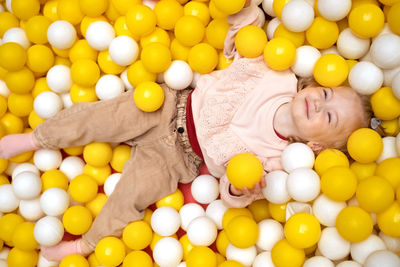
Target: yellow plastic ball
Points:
x,y
178,50
223,62
277,6
85,72
242,232
159,35
187,246
244,170
74,150
121,154
330,158
216,32
330,70
366,20
203,58
77,220
96,204
147,215
137,235
13,124
20,104
7,21
121,28
148,96
137,259
222,242
141,20
23,237
174,200
138,74
229,6
363,170
393,18
279,53
365,145
83,188
98,154
110,251
40,58
107,65
21,258
259,209
156,57
322,33
12,56
82,50
50,10
201,256
25,9
390,170
354,224
8,224
388,220
86,21
122,6
82,94
70,11
168,12
339,183
283,254
197,9
93,8
215,13
2,131
390,127
230,263
3,165
277,211
234,212
302,230
297,38
3,105
250,41
36,29
375,194
189,30
74,260
99,174
385,104
20,81
4,179
54,178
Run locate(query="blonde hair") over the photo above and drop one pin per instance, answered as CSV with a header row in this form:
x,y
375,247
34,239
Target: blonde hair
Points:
x,y
364,122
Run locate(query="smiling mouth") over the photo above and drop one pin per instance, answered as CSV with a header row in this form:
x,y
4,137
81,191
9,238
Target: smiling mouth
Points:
x,y
307,108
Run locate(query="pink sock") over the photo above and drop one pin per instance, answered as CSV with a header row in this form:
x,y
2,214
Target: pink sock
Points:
x,y
14,144
61,250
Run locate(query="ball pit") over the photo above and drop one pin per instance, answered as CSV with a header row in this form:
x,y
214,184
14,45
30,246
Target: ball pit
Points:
x,y
54,54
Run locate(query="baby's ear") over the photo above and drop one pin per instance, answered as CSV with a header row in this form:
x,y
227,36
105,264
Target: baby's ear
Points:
x,y
315,146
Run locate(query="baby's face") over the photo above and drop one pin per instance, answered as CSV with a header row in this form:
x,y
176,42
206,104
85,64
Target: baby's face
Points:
x,y
326,114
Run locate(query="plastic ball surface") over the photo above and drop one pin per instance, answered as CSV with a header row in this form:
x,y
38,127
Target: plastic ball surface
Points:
x,y
123,50
201,256
244,256
334,10
385,104
110,251
203,58
330,70
189,30
365,145
54,201
250,41
366,20
302,230
137,235
137,259
242,232
23,237
30,209
168,13
375,194
385,51
279,53
284,254
361,250
141,20
77,220
332,245
156,57
99,35
229,7
48,231
387,220
168,252
109,86
350,46
339,183
165,221
61,34
202,231
382,257
389,169
205,189
83,188
354,224
326,210
365,77
97,154
59,78
148,96
27,185
18,257
276,191
303,184
74,260
243,170
322,33
47,159
216,210
297,155
297,16
12,56
179,75
306,56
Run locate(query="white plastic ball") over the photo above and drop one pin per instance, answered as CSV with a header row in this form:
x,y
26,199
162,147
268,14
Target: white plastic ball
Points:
x,y
66,100
245,256
331,50
48,231
124,78
318,261
99,35
43,262
54,201
110,183
365,77
4,253
385,51
123,50
361,250
396,85
202,231
297,155
47,104
215,211
389,149
3,263
350,46
326,210
10,168
205,189
348,264
16,35
59,79
303,184
22,167
398,143
267,7
109,86
27,185
271,27
294,207
4,91
332,245
334,10
276,189
149,3
47,159
389,75
270,232
61,34
179,75
30,209
261,16
383,258
263,259
165,221
392,243
196,77
168,252
8,200
189,212
72,166
297,15
8,5
306,56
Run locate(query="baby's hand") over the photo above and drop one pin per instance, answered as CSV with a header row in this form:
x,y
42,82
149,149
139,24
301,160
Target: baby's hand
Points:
x,y
257,188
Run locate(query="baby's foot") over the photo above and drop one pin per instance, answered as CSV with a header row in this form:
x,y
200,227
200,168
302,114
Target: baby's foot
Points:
x,y
61,250
14,144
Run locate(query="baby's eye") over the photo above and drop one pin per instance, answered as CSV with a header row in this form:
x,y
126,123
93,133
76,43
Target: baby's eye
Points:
x,y
329,117
325,94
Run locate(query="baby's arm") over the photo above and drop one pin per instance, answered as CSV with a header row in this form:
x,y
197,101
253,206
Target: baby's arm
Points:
x,y
14,144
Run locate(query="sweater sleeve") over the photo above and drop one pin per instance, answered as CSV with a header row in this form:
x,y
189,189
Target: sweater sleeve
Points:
x,y
247,16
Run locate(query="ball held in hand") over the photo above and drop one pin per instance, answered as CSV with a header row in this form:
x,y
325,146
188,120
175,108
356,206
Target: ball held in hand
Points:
x,y
244,170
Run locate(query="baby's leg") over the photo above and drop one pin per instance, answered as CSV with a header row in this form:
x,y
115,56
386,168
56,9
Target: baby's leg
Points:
x,y
14,144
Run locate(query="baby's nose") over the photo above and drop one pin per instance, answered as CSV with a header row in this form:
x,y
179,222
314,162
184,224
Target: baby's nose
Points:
x,y
317,105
